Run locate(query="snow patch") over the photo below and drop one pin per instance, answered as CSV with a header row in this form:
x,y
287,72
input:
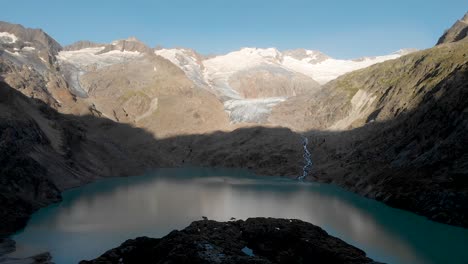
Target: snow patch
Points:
x,y
6,37
29,49
16,53
84,57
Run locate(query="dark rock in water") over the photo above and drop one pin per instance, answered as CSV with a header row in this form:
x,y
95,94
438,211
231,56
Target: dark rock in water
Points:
x,y
266,240
43,258
6,246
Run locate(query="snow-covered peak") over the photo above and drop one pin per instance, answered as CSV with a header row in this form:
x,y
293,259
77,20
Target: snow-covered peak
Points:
x,y
243,59
8,38
328,69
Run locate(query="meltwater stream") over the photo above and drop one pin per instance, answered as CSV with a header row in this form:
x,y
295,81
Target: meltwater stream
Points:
x,y
101,215
307,159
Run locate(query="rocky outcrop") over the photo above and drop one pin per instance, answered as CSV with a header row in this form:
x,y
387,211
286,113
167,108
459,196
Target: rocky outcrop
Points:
x,y
8,246
256,240
130,44
458,32
43,258
82,44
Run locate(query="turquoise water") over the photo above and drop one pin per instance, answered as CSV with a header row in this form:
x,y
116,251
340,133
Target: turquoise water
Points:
x,y
101,215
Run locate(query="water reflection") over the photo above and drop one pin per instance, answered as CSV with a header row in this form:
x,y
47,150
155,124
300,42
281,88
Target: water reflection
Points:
x,y
99,216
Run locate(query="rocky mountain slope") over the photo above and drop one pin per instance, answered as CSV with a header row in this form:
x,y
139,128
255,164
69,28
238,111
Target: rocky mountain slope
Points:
x,y
255,240
458,32
395,131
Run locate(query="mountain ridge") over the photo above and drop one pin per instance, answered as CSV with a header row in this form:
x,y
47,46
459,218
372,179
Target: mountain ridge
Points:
x,y
458,32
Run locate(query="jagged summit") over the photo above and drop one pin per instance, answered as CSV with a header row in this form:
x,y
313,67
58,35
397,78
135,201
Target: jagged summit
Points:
x,y
130,44
20,36
465,18
133,38
82,44
311,56
29,47
458,32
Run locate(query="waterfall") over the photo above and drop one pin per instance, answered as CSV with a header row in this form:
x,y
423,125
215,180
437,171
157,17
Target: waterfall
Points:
x,y
307,159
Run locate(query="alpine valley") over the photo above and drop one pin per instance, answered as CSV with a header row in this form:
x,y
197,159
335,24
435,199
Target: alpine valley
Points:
x,y
393,128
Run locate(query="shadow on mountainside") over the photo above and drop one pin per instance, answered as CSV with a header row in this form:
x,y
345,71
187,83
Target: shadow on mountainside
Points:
x,y
417,162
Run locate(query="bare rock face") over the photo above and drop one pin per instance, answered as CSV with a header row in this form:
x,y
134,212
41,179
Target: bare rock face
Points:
x,y
458,32
130,44
8,246
265,82
82,44
256,240
43,258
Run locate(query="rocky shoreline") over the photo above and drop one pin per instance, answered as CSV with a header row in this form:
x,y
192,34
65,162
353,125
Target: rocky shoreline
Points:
x,y
255,240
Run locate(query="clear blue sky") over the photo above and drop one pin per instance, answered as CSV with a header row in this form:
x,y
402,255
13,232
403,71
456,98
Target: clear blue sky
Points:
x,y
342,29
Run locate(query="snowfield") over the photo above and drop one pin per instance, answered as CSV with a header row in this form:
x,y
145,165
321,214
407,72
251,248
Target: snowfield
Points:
x,y
85,57
8,38
331,69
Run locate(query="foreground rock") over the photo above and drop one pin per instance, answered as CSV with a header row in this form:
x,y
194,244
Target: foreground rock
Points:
x,y
8,246
256,240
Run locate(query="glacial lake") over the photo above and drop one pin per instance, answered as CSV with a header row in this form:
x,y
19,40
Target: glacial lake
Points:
x,y
102,215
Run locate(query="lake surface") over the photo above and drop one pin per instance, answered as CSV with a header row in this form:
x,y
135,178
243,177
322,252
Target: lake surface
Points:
x,y
102,215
